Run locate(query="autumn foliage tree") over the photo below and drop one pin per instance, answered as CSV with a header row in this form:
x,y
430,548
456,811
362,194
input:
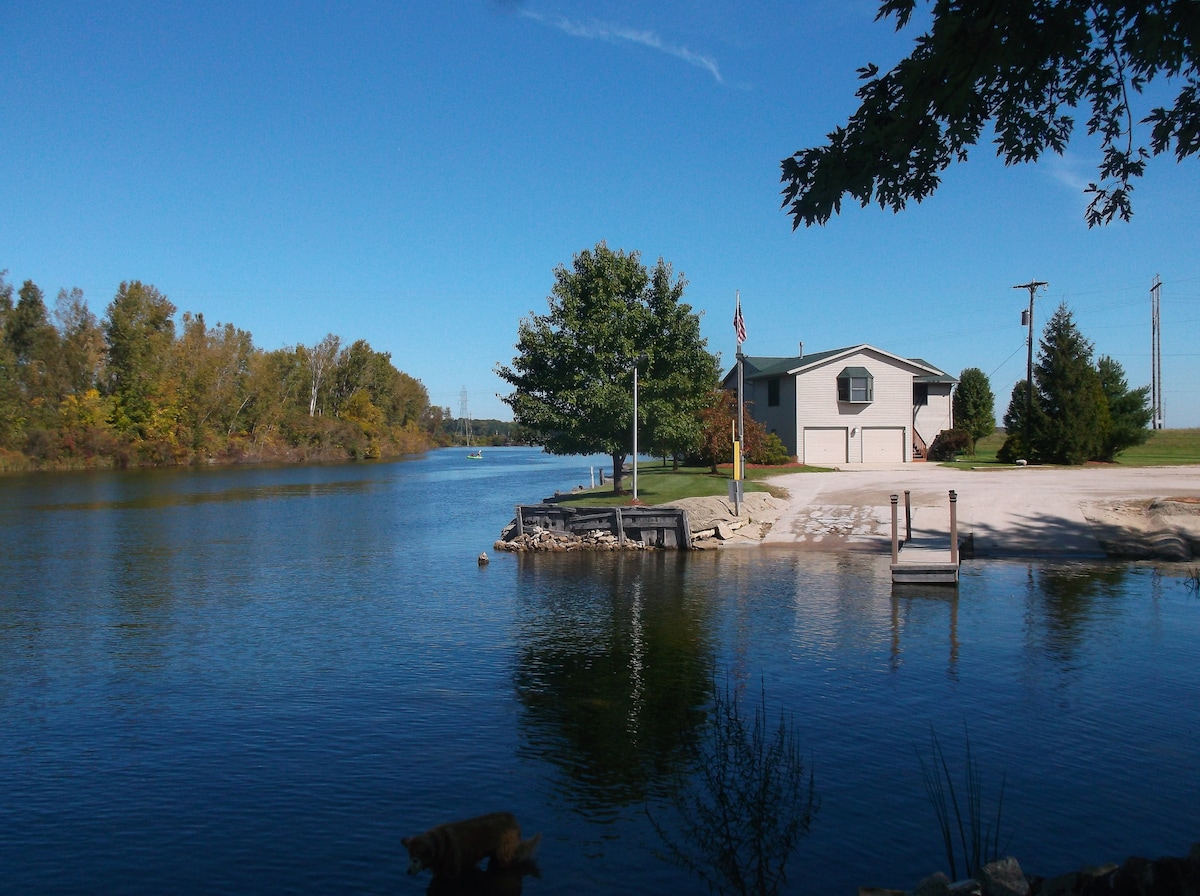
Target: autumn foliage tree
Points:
x,y
719,422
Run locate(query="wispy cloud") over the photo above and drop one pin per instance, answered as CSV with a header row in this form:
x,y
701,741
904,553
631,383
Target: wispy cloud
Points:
x,y
617,34
1069,169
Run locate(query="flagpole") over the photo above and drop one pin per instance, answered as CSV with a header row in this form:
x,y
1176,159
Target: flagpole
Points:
x,y
738,468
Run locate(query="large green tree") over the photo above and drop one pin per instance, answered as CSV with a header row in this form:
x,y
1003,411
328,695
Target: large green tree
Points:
x,y
974,405
139,328
1022,69
572,377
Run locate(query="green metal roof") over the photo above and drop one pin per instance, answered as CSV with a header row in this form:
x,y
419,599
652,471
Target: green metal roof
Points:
x,y
860,372
760,367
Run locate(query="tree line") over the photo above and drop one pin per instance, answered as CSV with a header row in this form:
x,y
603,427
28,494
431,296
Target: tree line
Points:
x,y
136,387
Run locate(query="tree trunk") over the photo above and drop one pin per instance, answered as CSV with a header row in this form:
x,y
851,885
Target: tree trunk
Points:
x,y
618,472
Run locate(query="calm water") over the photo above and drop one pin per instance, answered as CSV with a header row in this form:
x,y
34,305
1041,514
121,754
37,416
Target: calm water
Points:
x,y
257,680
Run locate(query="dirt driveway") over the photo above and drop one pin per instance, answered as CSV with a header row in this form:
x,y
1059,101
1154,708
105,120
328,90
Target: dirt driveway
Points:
x,y
1092,511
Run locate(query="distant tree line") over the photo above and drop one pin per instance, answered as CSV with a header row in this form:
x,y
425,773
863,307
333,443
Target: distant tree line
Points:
x,y
136,387
450,430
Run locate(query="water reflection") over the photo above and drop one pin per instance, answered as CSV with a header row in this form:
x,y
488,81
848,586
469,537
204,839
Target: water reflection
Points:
x,y
908,602
260,673
614,659
1068,606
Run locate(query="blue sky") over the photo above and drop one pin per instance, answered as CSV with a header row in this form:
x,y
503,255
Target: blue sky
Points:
x,y
411,173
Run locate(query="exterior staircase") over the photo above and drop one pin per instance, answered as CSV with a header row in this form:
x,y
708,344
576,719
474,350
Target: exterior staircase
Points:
x,y
919,448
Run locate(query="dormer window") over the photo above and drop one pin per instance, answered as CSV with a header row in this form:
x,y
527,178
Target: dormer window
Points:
x,y
856,385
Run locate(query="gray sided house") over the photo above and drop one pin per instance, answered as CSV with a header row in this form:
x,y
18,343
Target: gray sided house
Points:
x,y
850,405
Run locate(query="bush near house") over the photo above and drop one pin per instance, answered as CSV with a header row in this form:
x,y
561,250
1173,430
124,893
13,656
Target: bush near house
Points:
x,y
771,452
948,443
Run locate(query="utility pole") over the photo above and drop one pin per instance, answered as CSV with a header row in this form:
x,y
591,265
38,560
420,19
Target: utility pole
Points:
x,y
1156,396
1027,317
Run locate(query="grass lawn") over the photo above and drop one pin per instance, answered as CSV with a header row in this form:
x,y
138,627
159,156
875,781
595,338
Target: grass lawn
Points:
x,y
659,484
1164,448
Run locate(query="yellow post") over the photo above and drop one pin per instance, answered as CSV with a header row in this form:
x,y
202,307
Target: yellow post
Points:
x,y
737,452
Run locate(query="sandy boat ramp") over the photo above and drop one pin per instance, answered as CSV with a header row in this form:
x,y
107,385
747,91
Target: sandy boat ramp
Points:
x,y
1023,512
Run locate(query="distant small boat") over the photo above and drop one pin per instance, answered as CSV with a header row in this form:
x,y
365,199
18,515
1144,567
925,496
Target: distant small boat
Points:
x,y
477,454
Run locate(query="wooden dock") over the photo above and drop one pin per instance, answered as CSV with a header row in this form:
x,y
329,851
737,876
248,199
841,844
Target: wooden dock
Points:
x,y
925,560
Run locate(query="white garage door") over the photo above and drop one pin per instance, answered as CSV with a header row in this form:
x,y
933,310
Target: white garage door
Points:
x,y
883,444
825,446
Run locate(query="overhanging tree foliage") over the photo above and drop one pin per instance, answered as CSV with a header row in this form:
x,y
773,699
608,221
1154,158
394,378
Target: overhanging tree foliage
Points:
x,y
1024,67
572,377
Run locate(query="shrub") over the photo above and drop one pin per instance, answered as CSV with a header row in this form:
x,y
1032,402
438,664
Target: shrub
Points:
x,y
771,452
948,443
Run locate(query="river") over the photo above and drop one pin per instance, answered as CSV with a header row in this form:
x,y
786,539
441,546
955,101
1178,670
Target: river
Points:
x,y
258,679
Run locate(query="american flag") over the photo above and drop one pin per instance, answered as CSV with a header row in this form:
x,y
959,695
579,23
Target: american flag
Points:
x,y
739,325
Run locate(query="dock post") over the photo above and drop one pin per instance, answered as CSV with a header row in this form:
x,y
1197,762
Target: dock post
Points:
x,y
620,526
907,516
520,522
954,527
895,528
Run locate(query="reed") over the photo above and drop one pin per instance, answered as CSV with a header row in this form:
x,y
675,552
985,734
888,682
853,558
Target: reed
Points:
x,y
746,802
977,838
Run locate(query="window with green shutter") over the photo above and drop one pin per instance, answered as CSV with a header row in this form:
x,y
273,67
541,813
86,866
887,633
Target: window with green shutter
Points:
x,y
856,385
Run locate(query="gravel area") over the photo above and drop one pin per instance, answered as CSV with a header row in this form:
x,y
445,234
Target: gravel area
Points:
x,y
1030,512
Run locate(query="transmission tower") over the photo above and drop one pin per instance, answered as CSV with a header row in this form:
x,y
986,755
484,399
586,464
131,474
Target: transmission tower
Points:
x,y
1156,396
464,416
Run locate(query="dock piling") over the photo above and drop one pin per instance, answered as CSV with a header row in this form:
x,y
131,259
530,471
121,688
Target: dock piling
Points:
x,y
954,527
895,530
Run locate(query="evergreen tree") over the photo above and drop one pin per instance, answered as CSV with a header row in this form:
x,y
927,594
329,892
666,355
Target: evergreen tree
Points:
x,y
11,405
1074,413
974,405
1128,410
1014,447
34,344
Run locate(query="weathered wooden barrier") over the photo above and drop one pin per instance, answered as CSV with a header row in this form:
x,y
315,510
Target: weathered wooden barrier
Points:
x,y
556,525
